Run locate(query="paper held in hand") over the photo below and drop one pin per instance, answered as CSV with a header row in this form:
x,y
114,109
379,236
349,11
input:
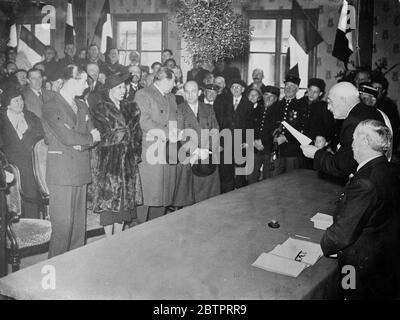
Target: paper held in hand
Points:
x,y
303,139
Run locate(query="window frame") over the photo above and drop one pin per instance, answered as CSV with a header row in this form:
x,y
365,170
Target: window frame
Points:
x,y
139,19
278,16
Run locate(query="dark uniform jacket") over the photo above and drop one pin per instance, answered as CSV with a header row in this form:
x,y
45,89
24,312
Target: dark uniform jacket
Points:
x,y
365,231
389,107
317,120
342,163
263,127
290,111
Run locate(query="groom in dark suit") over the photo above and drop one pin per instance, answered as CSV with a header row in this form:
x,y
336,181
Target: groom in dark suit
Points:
x,y
365,232
69,133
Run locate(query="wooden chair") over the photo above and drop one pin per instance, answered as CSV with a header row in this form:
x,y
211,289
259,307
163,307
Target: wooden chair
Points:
x,y
39,160
25,237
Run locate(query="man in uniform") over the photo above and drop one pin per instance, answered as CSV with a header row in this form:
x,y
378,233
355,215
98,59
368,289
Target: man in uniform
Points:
x,y
288,109
263,141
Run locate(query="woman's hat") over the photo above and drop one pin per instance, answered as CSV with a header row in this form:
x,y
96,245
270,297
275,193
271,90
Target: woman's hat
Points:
x,y
115,80
10,92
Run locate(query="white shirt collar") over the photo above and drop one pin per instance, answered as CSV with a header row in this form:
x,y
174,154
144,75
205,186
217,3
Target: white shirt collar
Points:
x,y
158,88
71,102
37,92
237,99
208,102
363,163
194,107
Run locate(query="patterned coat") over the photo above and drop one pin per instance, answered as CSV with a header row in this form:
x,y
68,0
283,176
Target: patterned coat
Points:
x,y
116,178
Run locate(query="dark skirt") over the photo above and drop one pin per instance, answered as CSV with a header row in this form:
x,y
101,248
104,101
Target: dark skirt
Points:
x,y
108,217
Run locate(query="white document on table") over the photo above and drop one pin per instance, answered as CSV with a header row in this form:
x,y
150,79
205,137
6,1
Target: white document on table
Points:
x,y
276,264
322,221
299,250
303,139
290,258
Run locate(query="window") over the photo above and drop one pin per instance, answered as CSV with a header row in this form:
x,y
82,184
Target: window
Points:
x,y
142,33
43,33
269,46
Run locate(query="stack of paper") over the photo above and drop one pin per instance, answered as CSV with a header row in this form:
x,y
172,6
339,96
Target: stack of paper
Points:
x,y
322,221
290,258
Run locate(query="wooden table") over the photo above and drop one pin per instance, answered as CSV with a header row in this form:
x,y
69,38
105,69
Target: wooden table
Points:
x,y
201,252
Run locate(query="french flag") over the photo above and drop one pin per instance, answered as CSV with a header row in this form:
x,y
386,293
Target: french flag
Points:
x,y
343,47
69,26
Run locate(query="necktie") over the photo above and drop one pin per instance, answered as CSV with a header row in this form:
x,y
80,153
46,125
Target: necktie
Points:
x,y
40,96
235,103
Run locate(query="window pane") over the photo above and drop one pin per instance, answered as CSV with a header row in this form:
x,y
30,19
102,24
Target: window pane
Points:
x,y
285,35
284,68
149,57
127,35
263,61
151,35
263,36
42,32
124,57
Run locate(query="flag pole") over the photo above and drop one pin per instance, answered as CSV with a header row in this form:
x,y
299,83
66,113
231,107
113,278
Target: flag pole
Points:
x,y
358,57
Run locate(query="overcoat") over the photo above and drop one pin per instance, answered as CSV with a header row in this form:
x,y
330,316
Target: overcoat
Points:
x,y
158,112
191,188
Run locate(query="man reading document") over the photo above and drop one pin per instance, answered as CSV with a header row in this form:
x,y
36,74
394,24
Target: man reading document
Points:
x,y
344,103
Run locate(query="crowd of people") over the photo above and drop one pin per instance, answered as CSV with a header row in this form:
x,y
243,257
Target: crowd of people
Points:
x,y
118,139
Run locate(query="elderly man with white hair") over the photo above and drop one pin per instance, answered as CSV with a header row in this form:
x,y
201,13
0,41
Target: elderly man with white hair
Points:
x,y
258,76
365,232
344,103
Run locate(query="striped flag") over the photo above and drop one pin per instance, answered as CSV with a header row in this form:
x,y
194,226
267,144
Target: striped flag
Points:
x,y
302,39
104,28
31,40
343,47
69,37
13,42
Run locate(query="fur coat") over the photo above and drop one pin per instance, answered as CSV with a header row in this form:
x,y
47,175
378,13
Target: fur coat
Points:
x,y
116,179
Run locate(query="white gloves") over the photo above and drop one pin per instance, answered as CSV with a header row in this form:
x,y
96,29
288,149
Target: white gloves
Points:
x,y
9,176
199,154
96,135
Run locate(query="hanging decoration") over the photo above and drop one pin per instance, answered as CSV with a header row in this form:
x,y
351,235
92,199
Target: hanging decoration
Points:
x,y
211,29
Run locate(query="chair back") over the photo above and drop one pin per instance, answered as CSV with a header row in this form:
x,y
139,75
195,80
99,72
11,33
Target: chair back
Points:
x,y
39,160
13,194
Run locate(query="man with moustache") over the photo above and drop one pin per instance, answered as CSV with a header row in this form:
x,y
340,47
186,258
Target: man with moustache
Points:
x,y
133,82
